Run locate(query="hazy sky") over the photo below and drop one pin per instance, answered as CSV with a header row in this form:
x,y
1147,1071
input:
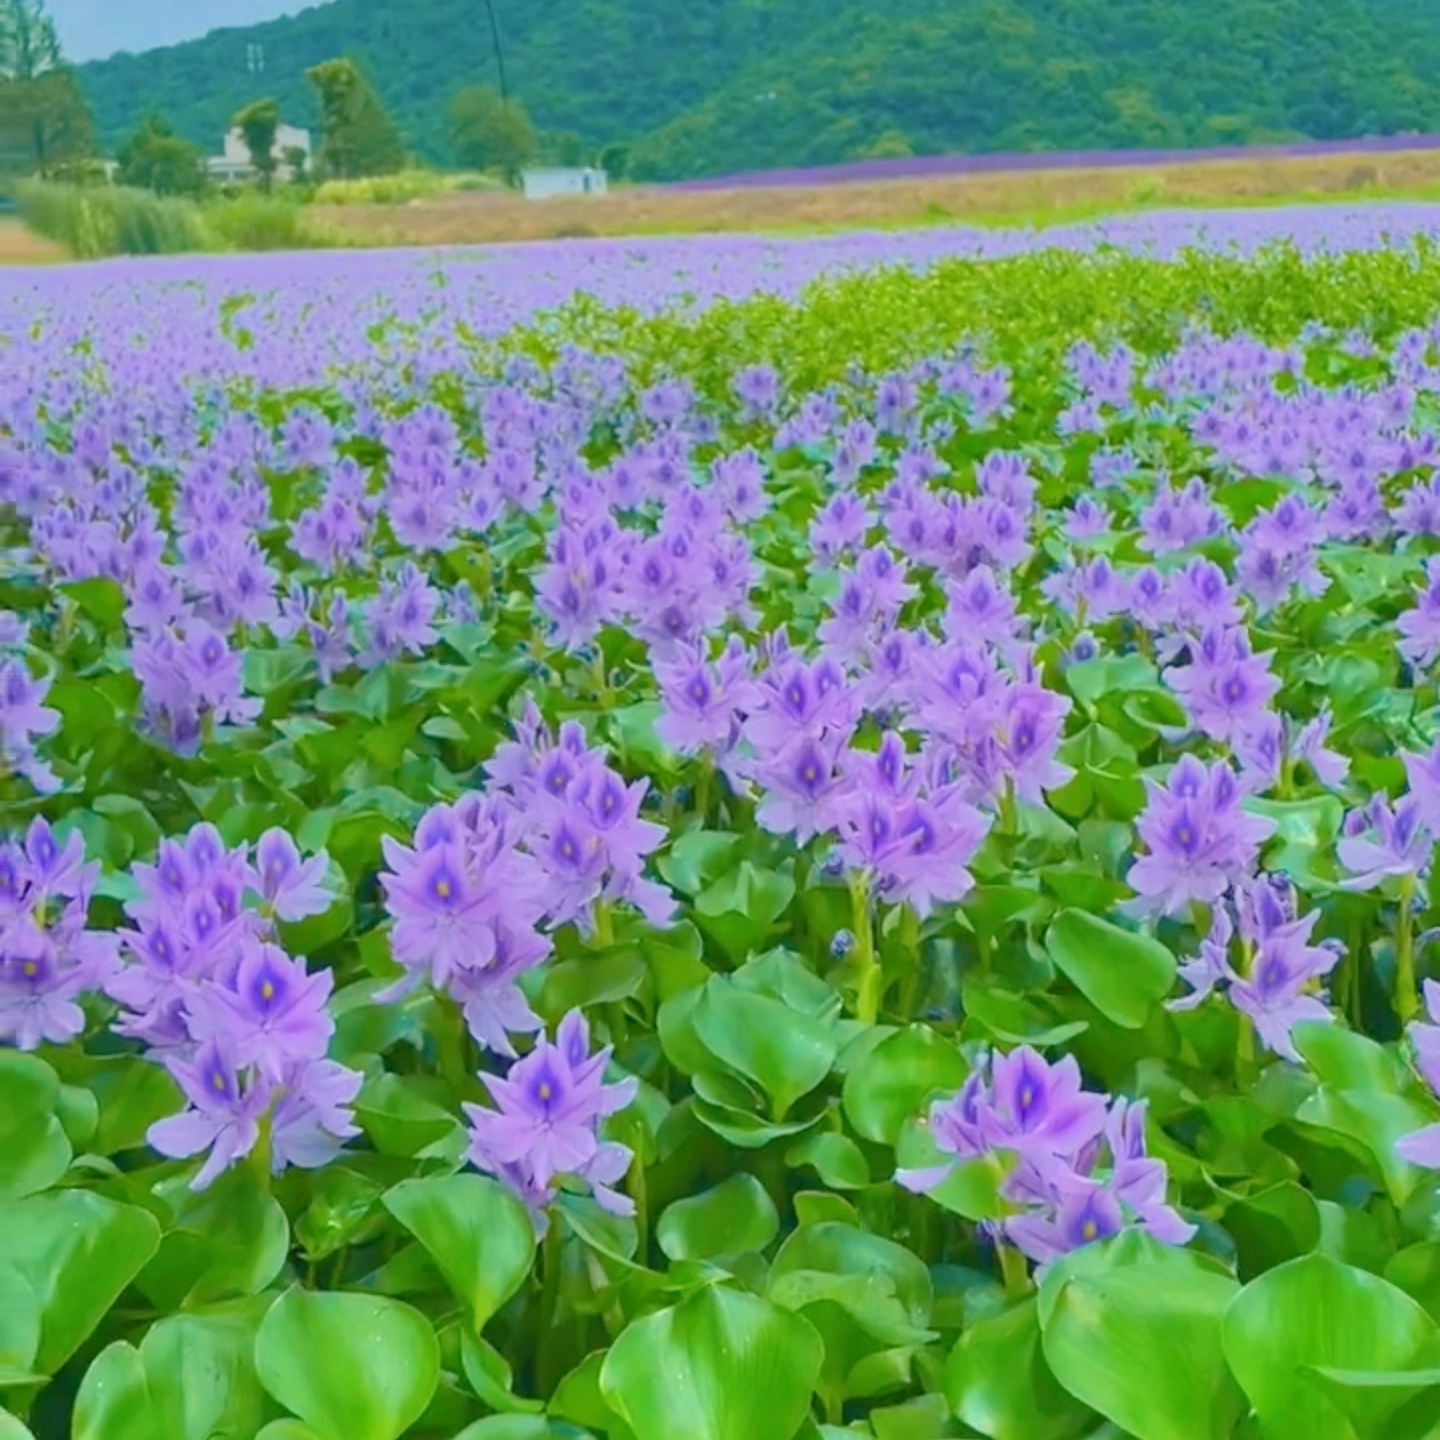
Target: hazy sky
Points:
x,y
92,28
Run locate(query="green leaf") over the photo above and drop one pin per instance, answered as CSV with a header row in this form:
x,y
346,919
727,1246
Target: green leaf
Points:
x,y
101,599
1132,1328
891,1297
1272,1226
697,859
836,1159
892,1082
34,1148
193,1378
1316,1312
1122,974
229,1240
19,1327
113,1402
77,1251
721,1365
477,1232
785,1053
12,1429
352,1367
736,1216
491,1378
742,907
998,1383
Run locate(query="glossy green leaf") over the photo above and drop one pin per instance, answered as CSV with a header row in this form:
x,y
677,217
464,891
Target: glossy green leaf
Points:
x,y
19,1328
1132,1328
477,1232
736,1216
836,1159
892,1082
785,1053
34,1148
741,908
1122,974
76,1251
998,1383
193,1378
352,1367
1272,1226
229,1240
721,1365
1319,1313
12,1429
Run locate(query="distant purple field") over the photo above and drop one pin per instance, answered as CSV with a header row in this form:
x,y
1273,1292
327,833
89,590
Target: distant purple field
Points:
x,y
919,167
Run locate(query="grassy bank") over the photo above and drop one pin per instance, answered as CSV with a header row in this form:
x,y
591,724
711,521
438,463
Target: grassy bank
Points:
x,y
423,208
100,220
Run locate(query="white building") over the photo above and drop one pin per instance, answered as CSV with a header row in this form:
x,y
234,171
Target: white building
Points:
x,y
234,164
548,183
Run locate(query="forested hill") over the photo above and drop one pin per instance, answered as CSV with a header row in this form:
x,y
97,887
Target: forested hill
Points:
x,y
702,87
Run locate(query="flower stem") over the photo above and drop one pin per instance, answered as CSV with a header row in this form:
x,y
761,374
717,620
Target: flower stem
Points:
x,y
635,1186
1406,1000
604,926
1008,815
1012,1270
867,997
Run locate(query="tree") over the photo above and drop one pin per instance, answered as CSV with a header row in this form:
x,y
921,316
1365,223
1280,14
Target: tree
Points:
x,y
44,121
358,137
156,158
615,160
257,124
487,132
297,158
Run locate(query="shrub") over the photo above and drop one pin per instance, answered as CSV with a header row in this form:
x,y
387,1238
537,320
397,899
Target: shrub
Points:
x,y
251,221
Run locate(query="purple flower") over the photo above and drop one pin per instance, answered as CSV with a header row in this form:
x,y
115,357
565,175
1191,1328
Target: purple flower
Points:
x,y
1079,1170
312,1120
290,886
545,1122
1378,842
224,1114
272,1012
1199,839
1419,626
1225,688
1422,1147
702,702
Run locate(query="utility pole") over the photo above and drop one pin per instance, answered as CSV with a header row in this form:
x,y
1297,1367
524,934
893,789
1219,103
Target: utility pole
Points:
x,y
499,54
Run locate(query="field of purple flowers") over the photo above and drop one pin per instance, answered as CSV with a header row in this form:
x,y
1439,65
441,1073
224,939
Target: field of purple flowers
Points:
x,y
725,840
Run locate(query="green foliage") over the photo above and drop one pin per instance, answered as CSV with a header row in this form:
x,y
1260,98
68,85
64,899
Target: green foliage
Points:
x,y
254,221
257,123
352,1367
112,220
486,132
358,136
155,158
737,84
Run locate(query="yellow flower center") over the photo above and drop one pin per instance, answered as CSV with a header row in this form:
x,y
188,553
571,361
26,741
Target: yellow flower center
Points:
x,y
267,990
544,1091
1089,1230
442,889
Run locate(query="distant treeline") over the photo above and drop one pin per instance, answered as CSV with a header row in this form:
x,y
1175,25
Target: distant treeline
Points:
x,y
704,87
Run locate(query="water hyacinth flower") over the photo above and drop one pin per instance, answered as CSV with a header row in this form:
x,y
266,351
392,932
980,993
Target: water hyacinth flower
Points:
x,y
1422,1147
48,958
1078,1168
241,1025
544,1124
1276,983
1199,839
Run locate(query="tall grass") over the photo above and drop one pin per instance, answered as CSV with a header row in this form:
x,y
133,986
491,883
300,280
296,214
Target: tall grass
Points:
x,y
94,221
251,221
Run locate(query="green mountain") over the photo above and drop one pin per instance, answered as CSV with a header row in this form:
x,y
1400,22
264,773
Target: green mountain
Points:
x,y
706,87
